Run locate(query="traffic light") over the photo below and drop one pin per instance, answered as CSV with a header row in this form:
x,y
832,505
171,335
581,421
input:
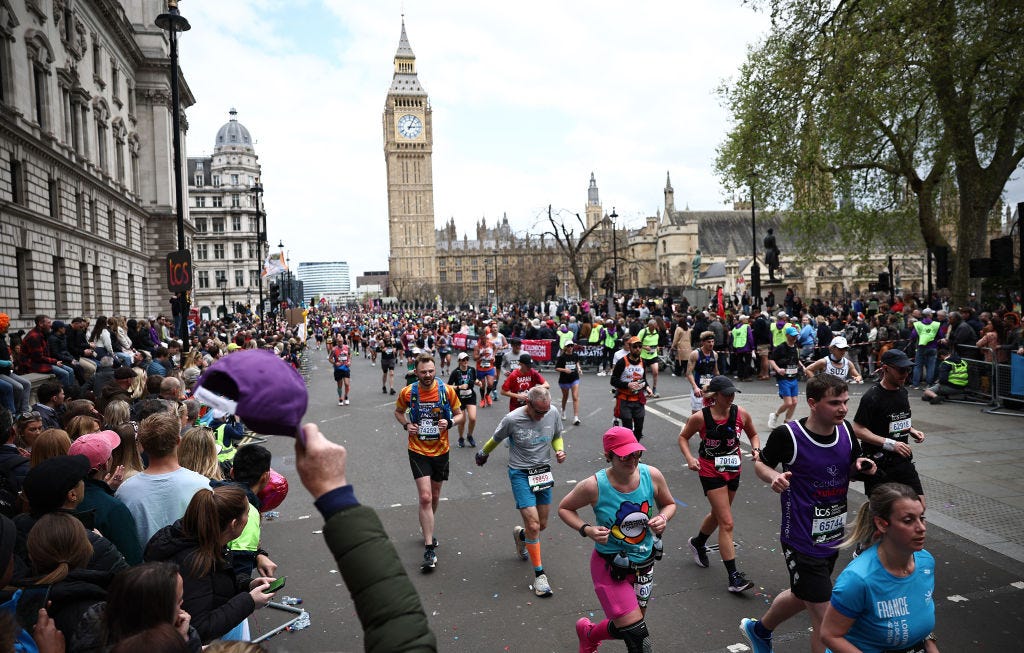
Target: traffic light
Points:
x,y
883,281
1001,253
275,295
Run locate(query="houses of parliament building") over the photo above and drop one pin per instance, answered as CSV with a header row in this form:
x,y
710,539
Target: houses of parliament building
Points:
x,y
671,251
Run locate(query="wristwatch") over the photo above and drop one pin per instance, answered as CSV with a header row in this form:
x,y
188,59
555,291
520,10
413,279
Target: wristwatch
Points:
x,y
583,529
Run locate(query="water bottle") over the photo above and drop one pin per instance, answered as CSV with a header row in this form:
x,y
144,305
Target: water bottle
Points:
x,y
659,548
621,561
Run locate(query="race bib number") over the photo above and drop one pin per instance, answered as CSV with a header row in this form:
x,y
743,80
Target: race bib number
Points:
x,y
643,584
727,463
704,380
540,478
829,523
468,392
899,425
791,370
428,429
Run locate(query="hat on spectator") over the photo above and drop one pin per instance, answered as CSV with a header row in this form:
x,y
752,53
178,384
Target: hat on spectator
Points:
x,y
722,384
57,324
926,311
97,447
633,340
124,372
839,342
526,359
47,484
265,392
621,441
781,314
896,358
791,331
233,347
463,356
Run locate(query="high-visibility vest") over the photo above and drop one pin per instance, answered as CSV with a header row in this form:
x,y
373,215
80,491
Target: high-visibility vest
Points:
x,y
609,338
778,335
564,338
926,332
958,375
595,334
739,337
649,339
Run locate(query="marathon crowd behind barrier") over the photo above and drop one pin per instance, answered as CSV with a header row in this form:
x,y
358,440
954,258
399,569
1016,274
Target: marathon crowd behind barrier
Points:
x,y
98,385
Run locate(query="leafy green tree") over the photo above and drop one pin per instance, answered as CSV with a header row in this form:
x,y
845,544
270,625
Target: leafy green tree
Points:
x,y
855,114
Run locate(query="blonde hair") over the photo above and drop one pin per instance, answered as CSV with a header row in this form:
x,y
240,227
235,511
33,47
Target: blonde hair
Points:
x,y
50,443
883,498
79,425
198,452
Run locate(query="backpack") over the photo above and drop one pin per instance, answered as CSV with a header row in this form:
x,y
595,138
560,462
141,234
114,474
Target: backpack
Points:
x,y
9,499
414,401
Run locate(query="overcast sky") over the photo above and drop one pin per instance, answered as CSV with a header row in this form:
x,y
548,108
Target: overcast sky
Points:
x,y
528,99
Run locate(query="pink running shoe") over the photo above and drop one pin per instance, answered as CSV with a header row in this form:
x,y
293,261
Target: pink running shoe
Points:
x,y
583,628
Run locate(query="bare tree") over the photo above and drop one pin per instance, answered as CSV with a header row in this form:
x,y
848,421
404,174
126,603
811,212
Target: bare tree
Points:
x,y
586,257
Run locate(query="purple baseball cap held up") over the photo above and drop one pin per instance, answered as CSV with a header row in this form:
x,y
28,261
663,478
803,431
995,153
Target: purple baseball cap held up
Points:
x,y
262,390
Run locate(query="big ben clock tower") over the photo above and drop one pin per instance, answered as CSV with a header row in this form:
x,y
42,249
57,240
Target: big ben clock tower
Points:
x,y
408,143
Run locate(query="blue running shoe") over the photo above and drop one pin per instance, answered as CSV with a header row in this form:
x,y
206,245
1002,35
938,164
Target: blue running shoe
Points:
x,y
757,644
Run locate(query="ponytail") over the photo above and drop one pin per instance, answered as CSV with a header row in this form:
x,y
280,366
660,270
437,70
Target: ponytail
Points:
x,y
57,544
864,532
208,516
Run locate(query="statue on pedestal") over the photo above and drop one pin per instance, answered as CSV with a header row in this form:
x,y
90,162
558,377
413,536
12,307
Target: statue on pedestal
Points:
x,y
771,254
696,268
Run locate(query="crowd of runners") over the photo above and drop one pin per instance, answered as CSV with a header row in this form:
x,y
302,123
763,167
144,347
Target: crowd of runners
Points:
x,y
809,461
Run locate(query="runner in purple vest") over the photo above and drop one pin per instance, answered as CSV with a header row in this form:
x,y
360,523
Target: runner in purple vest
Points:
x,y
818,454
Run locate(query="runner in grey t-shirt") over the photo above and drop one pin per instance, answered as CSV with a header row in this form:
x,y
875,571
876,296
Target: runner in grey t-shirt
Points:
x,y
532,432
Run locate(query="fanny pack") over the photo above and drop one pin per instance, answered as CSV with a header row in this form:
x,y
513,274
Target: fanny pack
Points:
x,y
620,572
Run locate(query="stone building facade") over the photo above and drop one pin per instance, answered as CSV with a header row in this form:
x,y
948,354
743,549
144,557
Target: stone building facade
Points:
x,y
223,198
87,209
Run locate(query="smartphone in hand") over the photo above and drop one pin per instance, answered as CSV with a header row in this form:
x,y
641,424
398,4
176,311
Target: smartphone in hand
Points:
x,y
276,585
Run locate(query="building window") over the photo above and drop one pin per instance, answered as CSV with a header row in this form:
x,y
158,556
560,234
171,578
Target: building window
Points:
x,y
218,225
79,209
218,202
198,181
201,225
239,278
220,276
97,62
236,221
201,202
202,253
252,250
234,180
21,259
101,144
111,228
204,278
17,182
94,219
236,202
473,275
131,100
218,251
458,275
128,233
53,191
41,91
254,277
115,82
216,181
443,276
83,277
237,248
58,286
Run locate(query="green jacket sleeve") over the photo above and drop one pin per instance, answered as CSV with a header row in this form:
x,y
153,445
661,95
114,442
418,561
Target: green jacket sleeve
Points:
x,y
388,606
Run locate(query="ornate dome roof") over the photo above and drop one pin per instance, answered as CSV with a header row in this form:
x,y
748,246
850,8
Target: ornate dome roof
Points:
x,y
233,134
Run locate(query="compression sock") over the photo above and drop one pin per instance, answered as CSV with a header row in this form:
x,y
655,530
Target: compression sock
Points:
x,y
533,548
600,631
701,539
730,566
761,631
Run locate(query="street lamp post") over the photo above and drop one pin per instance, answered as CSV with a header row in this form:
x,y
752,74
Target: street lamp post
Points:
x,y
261,237
755,268
223,285
495,253
615,254
173,22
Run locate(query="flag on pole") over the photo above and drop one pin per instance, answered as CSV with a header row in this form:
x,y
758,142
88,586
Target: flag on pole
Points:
x,y
275,264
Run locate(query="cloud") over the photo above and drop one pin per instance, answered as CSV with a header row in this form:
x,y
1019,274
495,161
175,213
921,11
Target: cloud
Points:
x,y
528,100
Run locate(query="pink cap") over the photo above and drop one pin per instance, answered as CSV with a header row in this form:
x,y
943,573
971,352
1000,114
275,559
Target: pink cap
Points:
x,y
620,441
97,447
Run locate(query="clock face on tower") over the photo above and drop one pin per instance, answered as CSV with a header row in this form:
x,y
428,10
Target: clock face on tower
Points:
x,y
409,126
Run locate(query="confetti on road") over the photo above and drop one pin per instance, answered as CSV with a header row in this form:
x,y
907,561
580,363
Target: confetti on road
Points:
x,y
956,598
303,517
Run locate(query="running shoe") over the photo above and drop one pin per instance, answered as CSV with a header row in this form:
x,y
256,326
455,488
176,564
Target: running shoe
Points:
x,y
541,586
576,420
601,373
773,420
563,415
384,389
700,554
341,402
757,644
654,394
429,561
392,391
584,627
738,582
472,442
346,401
462,443
519,537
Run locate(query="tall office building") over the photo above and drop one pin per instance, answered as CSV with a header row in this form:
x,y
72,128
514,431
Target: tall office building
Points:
x,y
325,279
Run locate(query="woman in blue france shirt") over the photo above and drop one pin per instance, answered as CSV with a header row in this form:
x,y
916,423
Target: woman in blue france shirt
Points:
x,y
882,602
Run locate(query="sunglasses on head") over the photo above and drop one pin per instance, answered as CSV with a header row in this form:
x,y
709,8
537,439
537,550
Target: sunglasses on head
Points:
x,y
30,416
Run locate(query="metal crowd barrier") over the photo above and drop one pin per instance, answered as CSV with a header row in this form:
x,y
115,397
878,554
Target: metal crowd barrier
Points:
x,y
980,376
1004,401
